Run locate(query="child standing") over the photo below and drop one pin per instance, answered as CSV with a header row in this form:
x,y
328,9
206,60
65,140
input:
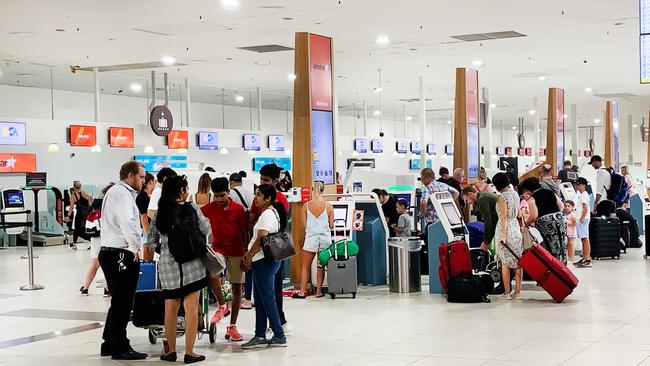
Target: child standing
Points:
x,y
403,226
583,223
570,218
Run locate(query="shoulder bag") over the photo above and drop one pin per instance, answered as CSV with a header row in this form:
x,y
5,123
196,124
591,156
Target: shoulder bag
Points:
x,y
277,246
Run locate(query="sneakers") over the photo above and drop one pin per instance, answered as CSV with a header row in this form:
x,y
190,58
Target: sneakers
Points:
x,y
278,342
233,334
255,342
286,328
506,297
516,296
583,263
221,313
84,291
106,292
578,263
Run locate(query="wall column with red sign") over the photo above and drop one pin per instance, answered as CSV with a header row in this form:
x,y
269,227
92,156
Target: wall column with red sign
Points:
x,y
611,136
313,126
467,149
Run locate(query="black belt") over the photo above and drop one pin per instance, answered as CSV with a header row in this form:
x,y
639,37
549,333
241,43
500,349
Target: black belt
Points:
x,y
113,249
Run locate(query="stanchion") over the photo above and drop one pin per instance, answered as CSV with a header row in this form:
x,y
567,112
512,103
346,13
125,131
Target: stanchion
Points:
x,y
30,257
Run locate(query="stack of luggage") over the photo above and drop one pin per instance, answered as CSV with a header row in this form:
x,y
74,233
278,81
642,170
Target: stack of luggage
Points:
x,y
456,275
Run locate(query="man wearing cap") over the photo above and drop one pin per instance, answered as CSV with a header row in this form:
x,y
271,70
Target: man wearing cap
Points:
x,y
603,178
582,226
240,194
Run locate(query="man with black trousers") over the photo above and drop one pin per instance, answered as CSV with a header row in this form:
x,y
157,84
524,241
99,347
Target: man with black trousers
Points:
x,y
121,239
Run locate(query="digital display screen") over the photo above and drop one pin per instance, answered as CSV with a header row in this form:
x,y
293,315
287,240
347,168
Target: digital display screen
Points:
x,y
414,164
501,150
340,215
473,151
322,143
509,151
153,163
15,199
415,147
361,146
83,135
521,151
276,142
121,137
431,149
402,147
644,40
178,140
404,196
284,163
208,140
542,151
529,151
451,213
13,133
449,149
252,142
377,146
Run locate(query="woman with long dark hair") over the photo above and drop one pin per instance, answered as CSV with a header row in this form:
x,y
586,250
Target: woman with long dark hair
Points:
x,y
178,280
272,219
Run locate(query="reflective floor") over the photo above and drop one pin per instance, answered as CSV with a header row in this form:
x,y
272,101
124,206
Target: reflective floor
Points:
x,y
605,322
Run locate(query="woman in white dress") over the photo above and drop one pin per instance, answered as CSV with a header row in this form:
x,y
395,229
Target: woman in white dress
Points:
x,y
508,233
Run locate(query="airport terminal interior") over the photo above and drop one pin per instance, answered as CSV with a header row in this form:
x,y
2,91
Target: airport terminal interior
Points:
x,y
470,178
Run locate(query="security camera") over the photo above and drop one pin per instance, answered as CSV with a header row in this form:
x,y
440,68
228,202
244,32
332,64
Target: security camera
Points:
x,y
72,155
381,133
120,91
584,61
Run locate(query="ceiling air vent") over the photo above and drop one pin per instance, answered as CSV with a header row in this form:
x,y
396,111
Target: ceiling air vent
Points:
x,y
412,100
488,36
616,95
124,67
266,48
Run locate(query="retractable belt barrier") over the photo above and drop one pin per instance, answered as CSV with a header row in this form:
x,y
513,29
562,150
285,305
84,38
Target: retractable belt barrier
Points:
x,y
30,244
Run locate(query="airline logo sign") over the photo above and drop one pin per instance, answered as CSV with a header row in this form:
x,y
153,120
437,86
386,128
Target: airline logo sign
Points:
x,y
177,140
320,61
17,163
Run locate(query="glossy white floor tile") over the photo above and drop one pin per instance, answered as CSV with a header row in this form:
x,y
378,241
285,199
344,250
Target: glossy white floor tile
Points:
x,y
605,322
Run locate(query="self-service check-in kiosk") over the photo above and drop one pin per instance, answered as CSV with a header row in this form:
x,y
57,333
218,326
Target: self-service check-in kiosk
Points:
x,y
569,193
410,195
448,228
13,201
48,228
640,205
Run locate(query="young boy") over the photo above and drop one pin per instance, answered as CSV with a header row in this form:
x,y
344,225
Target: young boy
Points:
x,y
582,228
229,223
403,226
570,218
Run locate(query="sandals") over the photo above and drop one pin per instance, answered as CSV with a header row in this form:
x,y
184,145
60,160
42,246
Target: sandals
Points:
x,y
297,295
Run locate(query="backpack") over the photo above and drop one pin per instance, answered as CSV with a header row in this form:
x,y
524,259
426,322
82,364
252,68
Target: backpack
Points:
x,y
618,190
186,241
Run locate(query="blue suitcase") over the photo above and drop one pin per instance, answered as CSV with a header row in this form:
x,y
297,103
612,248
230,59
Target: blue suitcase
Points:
x,y
476,233
148,279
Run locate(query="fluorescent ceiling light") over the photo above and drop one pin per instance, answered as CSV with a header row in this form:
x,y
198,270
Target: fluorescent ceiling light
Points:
x,y
53,147
379,90
492,105
596,120
377,113
224,151
340,152
382,40
136,88
168,60
409,118
148,149
25,75
230,4
566,116
252,152
453,102
634,126
514,127
96,149
541,78
477,63
532,112
355,153
449,122
182,151
287,152
239,98
588,90
291,77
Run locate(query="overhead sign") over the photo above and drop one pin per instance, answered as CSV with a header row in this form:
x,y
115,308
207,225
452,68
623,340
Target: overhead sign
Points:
x,y
161,120
284,163
13,133
121,137
83,135
153,163
361,146
276,142
177,140
320,64
36,179
252,142
17,163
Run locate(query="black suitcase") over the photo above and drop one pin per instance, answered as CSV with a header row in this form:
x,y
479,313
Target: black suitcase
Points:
x,y
647,236
148,308
466,289
604,237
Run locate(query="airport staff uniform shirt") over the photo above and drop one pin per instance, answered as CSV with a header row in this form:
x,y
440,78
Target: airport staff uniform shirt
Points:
x,y
121,219
155,197
603,182
433,187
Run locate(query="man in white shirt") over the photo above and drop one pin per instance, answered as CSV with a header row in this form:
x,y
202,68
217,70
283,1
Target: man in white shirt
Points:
x,y
240,194
121,239
603,178
163,174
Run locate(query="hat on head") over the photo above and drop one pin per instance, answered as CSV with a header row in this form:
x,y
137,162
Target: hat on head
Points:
x,y
582,180
595,158
235,177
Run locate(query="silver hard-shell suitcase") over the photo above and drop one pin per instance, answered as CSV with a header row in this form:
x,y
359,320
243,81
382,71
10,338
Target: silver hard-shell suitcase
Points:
x,y
342,275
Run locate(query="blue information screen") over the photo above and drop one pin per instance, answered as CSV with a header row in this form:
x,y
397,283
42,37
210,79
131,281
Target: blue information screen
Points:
x,y
322,143
414,164
12,133
153,163
252,142
284,163
377,146
473,151
644,40
208,140
276,143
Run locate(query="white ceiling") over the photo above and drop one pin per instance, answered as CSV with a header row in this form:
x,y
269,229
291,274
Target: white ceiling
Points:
x,y
575,44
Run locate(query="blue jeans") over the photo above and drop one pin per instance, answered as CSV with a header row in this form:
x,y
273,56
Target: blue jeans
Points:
x,y
248,286
265,306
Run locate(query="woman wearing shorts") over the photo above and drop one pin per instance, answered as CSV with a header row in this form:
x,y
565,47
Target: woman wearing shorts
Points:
x,y
318,216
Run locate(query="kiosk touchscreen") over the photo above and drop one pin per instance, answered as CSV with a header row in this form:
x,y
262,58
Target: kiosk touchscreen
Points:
x,y
569,193
13,200
449,227
342,220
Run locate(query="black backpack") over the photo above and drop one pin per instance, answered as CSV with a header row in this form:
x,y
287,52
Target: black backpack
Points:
x,y
186,241
617,191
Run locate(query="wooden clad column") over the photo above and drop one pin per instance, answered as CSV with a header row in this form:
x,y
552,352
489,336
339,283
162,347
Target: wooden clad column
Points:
x,y
555,129
313,126
467,150
611,136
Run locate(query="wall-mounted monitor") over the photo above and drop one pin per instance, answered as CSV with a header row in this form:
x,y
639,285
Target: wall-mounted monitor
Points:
x,y
13,133
401,147
414,164
542,151
529,151
121,137
501,150
449,149
508,150
377,146
276,142
415,147
83,135
589,153
521,151
432,149
153,163
284,163
208,140
252,142
361,146
177,139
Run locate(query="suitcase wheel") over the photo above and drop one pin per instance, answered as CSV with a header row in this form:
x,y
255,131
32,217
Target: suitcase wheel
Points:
x,y
152,337
332,295
354,295
212,333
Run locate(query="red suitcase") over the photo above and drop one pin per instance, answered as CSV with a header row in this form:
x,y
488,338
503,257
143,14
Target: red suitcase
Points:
x,y
455,261
548,271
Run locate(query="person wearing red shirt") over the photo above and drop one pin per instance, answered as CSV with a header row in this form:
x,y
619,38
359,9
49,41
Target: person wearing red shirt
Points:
x,y
229,224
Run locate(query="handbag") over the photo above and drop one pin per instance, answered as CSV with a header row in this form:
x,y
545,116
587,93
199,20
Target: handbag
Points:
x,y
527,237
213,261
277,246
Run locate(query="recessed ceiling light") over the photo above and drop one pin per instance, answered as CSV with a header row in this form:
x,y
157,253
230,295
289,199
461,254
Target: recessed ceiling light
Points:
x,y
377,113
634,126
453,101
532,112
539,130
230,4
379,90
596,120
448,122
60,30
541,78
477,63
382,40
409,118
514,127
148,149
168,60
566,116
588,90
291,77
239,98
136,88
492,105
25,75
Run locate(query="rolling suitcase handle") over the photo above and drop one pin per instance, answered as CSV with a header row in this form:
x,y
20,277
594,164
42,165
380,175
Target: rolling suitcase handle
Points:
x,y
345,250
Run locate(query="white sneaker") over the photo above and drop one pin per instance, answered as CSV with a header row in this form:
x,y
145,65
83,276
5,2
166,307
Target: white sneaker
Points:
x,y
516,296
506,297
286,327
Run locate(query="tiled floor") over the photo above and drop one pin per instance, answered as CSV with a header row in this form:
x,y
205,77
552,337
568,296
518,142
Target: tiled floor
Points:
x,y
605,322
